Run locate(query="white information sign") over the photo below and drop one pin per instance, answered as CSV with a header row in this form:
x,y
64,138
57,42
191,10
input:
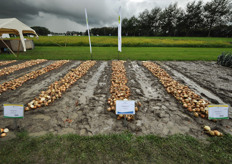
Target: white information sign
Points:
x,y
13,111
125,107
218,111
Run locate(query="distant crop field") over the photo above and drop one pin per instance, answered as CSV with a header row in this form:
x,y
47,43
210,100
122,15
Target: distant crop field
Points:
x,y
111,41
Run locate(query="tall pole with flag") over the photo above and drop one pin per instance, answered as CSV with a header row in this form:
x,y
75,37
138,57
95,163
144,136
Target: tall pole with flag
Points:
x,y
87,24
119,32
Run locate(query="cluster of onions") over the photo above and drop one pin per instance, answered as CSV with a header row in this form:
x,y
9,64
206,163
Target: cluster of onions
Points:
x,y
212,132
11,69
56,89
190,100
3,132
119,90
13,84
7,62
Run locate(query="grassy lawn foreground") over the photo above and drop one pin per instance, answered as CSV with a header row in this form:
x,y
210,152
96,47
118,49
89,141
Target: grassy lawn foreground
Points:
x,y
114,148
109,53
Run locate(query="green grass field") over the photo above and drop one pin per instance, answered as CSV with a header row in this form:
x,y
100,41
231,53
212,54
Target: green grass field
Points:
x,y
115,148
107,41
130,53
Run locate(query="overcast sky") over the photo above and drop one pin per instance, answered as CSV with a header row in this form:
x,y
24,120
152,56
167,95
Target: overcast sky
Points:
x,y
68,15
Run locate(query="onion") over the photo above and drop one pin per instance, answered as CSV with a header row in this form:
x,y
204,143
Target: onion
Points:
x,y
212,133
6,130
196,114
207,128
3,135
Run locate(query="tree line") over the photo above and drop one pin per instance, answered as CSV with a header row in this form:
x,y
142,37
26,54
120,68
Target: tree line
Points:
x,y
213,18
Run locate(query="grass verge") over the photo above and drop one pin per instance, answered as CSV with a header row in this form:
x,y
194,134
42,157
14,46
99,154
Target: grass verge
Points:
x,y
109,53
115,148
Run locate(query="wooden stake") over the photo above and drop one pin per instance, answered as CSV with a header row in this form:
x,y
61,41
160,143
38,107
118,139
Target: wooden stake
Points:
x,y
8,47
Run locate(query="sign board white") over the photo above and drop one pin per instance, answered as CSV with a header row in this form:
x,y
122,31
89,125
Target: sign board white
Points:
x,y
13,111
218,111
125,107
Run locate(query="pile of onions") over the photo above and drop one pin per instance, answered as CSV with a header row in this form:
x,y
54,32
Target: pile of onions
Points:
x,y
212,132
11,69
7,62
56,89
13,84
119,90
3,132
190,100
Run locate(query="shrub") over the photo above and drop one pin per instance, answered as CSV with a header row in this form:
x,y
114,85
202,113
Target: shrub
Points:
x,y
225,59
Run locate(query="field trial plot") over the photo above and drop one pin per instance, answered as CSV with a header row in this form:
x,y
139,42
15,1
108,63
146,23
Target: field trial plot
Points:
x,y
82,107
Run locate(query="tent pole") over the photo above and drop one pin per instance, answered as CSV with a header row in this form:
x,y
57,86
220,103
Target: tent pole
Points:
x,y
8,47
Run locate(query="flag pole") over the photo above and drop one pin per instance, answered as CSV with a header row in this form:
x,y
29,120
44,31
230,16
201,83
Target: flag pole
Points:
x,y
87,24
119,33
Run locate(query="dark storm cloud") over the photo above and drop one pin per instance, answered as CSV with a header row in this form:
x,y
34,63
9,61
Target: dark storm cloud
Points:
x,y
16,8
69,9
63,15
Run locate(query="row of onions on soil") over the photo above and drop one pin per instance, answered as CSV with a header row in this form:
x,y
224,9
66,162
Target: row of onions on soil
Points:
x,y
2,63
119,90
190,100
56,89
11,69
15,83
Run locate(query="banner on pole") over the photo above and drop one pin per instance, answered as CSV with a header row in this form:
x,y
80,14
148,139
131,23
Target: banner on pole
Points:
x,y
87,24
119,31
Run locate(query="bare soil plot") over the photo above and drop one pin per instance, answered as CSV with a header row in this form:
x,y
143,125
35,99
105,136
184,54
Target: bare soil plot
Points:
x,y
82,109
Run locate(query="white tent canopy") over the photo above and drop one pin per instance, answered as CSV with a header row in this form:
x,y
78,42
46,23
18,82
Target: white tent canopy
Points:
x,y
14,26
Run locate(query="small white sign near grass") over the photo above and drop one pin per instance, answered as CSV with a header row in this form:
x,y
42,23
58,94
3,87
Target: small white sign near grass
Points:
x,y
218,111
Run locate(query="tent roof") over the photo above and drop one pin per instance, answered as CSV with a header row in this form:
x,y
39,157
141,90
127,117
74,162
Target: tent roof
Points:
x,y
14,26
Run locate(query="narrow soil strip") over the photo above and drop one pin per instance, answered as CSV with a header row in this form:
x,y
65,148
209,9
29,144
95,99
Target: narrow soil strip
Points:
x,y
13,84
193,85
56,89
2,63
11,69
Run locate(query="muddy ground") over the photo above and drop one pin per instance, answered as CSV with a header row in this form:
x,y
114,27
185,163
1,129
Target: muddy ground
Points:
x,y
83,107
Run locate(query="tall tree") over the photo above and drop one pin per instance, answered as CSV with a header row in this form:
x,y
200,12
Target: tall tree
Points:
x,y
214,14
41,30
168,19
133,24
154,17
194,16
144,22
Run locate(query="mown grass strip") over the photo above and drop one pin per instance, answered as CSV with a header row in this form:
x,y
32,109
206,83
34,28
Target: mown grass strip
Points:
x,y
115,148
128,53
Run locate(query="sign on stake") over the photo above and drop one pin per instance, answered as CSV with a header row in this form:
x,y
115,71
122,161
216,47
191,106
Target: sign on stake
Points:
x,y
14,111
218,111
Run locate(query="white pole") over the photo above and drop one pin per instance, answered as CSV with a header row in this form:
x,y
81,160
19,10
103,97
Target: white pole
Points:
x,y
87,24
119,31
